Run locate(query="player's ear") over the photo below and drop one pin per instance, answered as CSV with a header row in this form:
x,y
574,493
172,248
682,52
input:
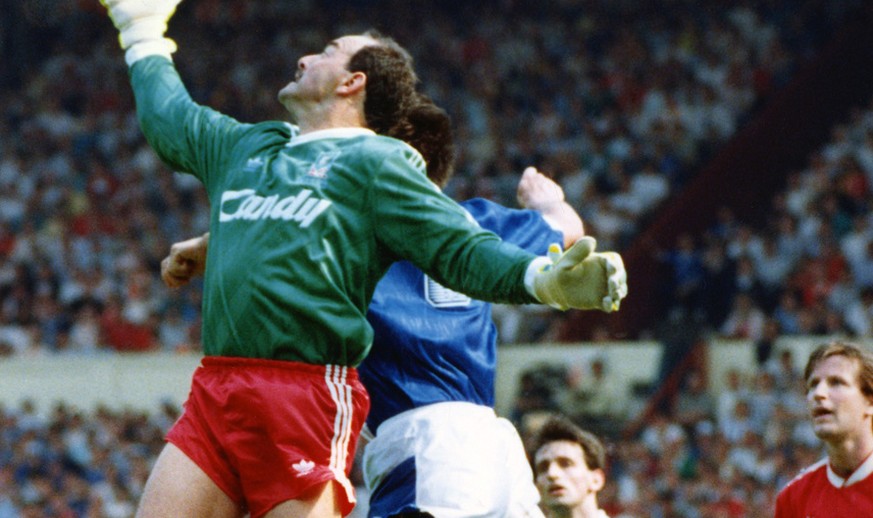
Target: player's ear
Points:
x,y
869,410
598,480
353,83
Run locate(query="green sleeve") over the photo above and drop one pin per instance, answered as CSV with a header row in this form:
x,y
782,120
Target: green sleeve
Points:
x,y
419,223
186,136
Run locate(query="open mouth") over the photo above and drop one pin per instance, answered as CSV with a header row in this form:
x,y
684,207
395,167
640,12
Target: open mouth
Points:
x,y
820,412
556,490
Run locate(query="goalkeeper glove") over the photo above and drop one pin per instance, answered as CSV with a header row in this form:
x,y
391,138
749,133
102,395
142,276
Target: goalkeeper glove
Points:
x,y
581,278
141,26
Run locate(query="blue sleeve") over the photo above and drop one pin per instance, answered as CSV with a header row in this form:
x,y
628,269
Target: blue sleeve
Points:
x,y
522,227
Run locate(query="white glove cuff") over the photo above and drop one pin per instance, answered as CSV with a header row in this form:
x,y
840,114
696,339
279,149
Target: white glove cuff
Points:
x,y
157,47
533,269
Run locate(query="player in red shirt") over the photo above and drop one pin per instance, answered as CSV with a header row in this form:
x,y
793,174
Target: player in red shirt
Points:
x,y
839,394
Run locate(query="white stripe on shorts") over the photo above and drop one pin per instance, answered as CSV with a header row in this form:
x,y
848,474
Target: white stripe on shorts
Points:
x,y
341,393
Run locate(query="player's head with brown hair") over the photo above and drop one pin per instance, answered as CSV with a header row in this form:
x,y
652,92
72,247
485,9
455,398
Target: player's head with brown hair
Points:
x,y
569,465
368,80
393,106
839,367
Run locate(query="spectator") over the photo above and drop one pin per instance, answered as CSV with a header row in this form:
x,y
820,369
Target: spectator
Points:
x,y
859,316
694,404
746,319
763,397
719,289
593,398
735,427
686,274
534,395
661,433
764,345
787,314
734,390
786,376
85,330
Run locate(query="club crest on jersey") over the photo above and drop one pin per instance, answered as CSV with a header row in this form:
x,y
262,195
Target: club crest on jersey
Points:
x,y
253,164
439,296
319,168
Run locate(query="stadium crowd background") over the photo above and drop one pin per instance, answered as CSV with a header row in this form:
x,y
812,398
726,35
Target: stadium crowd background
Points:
x,y
620,102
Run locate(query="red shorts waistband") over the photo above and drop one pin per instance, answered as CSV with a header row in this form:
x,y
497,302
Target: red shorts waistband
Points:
x,y
222,362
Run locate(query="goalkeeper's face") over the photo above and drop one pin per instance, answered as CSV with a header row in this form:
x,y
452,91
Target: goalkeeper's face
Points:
x,y
320,77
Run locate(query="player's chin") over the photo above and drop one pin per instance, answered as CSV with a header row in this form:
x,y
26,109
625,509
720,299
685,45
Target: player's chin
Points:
x,y
555,498
287,93
825,430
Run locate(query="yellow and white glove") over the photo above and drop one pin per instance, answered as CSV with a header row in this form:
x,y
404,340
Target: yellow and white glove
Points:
x,y
580,278
141,26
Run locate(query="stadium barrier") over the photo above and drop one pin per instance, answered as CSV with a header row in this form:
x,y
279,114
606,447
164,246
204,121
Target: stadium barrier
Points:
x,y
145,381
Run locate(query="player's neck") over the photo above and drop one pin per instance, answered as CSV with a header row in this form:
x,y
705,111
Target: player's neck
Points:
x,y
339,114
846,457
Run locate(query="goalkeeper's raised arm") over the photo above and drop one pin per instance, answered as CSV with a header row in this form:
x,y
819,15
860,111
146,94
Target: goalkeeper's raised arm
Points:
x,y
188,137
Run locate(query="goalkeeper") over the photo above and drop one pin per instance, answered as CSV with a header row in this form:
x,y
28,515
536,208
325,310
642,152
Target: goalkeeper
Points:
x,y
435,446
305,219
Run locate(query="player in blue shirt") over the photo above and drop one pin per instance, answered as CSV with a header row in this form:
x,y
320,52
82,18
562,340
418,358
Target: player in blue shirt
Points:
x,y
434,444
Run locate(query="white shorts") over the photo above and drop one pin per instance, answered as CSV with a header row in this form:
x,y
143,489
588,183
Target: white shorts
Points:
x,y
451,460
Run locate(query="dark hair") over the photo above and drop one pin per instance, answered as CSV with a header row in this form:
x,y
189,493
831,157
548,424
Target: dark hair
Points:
x,y
559,428
393,106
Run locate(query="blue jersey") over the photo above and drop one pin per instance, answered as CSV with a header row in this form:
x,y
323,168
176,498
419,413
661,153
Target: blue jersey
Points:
x,y
432,344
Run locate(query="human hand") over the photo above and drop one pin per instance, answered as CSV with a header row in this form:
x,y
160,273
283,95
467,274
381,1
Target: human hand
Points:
x,y
187,260
581,278
537,191
142,22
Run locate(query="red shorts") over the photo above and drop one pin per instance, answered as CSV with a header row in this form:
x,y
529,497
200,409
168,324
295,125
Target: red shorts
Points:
x,y
266,431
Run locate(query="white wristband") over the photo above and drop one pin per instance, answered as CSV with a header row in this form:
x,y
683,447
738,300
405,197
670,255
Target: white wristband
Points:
x,y
157,47
535,267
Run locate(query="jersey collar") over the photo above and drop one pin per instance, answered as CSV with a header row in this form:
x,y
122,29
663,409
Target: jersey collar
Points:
x,y
863,471
333,133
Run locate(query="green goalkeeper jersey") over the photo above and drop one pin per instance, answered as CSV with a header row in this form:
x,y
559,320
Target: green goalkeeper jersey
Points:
x,y
302,227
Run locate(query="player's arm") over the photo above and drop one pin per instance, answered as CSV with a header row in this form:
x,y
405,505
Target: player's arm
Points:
x,y
577,278
188,137
538,192
460,255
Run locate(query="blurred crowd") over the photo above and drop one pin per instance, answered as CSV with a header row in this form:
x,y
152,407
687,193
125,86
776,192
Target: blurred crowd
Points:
x,y
618,101
67,463
807,271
